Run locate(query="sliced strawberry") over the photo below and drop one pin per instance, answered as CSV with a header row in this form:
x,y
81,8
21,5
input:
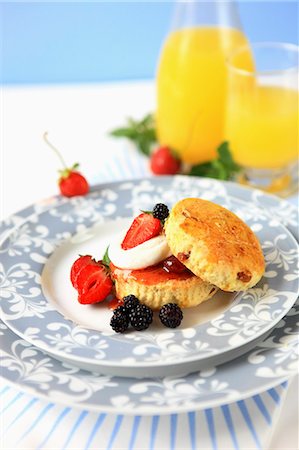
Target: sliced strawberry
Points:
x,y
143,228
94,284
81,262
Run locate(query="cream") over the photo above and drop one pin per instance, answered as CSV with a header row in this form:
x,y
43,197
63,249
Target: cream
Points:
x,y
147,254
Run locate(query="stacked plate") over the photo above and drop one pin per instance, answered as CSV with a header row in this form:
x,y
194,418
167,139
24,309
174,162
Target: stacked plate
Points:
x,y
226,349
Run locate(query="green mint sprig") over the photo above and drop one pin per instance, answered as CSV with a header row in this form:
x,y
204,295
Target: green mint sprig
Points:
x,y
221,168
142,133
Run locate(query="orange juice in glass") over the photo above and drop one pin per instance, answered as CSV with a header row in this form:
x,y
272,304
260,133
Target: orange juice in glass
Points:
x,y
262,115
192,78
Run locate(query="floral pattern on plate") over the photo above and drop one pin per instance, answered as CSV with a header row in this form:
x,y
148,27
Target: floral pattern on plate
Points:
x,y
272,361
26,250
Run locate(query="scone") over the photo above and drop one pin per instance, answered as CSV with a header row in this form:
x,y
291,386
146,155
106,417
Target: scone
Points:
x,y
155,287
214,244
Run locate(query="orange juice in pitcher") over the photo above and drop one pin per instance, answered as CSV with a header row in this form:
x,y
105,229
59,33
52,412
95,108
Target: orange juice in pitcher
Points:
x,y
192,78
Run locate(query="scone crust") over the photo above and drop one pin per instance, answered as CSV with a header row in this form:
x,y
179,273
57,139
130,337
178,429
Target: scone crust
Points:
x,y
215,244
186,293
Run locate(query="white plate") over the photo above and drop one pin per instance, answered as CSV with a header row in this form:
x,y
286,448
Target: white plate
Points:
x,y
39,304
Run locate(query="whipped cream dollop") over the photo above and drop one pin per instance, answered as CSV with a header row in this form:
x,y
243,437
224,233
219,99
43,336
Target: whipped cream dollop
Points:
x,y
144,255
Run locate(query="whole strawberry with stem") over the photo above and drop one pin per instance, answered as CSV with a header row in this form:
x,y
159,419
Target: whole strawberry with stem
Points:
x,y
71,182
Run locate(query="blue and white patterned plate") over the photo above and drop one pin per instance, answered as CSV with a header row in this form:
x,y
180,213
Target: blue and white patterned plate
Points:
x,y
39,304
272,361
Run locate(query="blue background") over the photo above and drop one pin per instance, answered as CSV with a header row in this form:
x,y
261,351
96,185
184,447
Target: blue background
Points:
x,y
47,42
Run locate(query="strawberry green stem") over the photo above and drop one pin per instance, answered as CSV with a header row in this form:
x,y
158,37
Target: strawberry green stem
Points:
x,y
55,150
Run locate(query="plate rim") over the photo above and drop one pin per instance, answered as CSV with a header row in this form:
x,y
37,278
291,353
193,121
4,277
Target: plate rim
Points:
x,y
146,412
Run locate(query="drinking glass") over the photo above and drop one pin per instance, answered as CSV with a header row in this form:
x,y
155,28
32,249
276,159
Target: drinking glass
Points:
x,y
262,115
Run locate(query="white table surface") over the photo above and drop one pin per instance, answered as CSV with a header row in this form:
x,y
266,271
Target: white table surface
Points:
x,y
78,119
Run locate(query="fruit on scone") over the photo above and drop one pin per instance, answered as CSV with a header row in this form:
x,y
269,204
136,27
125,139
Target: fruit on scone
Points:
x,y
164,162
143,228
160,211
71,182
150,272
144,255
169,260
171,315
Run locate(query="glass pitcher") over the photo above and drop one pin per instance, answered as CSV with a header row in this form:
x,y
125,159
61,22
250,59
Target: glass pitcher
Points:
x,y
192,77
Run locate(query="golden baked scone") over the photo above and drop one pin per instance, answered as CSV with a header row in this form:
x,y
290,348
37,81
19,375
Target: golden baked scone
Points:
x,y
185,291
214,244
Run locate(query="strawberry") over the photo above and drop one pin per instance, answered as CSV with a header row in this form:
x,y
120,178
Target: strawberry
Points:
x,y
81,262
164,162
71,182
143,228
94,284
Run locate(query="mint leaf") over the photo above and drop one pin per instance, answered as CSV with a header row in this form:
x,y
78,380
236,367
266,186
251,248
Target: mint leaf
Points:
x,y
106,260
124,132
142,133
226,158
222,168
202,170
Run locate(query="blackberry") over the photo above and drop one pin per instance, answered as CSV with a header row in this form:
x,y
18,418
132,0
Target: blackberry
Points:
x,y
160,211
120,310
141,317
119,321
171,315
130,302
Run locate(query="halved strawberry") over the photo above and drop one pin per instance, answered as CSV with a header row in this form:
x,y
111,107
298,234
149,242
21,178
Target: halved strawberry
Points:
x,y
94,284
143,228
81,262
